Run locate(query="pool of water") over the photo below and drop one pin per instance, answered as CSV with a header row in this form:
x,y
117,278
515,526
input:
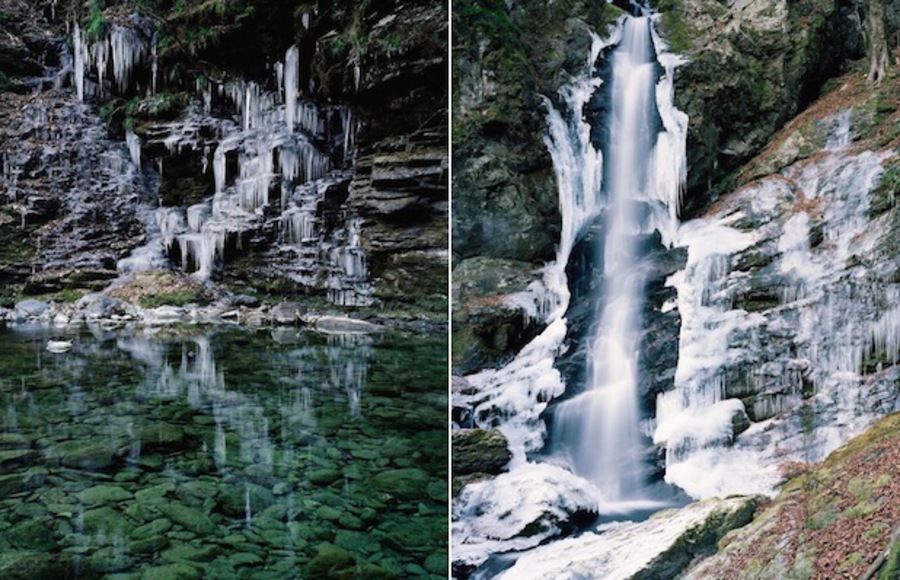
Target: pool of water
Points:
x,y
226,454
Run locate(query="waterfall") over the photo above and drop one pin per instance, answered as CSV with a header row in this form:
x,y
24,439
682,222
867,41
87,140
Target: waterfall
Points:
x,y
602,422
633,184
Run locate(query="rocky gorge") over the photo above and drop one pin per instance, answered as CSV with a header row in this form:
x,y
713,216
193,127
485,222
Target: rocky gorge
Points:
x,y
768,335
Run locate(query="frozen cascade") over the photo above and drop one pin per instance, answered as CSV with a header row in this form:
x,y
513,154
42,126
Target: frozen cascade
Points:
x,y
269,155
514,397
815,343
123,48
513,393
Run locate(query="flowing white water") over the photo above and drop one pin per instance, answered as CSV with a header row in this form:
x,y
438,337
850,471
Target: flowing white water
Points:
x,y
513,398
603,422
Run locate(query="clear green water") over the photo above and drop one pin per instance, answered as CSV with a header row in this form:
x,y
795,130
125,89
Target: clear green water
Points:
x,y
230,454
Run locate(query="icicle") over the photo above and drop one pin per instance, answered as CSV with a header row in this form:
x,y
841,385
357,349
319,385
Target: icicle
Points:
x,y
291,84
100,50
346,125
128,50
154,63
134,147
79,50
196,216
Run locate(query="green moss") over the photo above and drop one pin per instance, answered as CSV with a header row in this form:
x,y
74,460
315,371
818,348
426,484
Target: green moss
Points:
x,y
884,196
876,530
861,510
822,515
488,17
175,298
673,28
67,295
891,569
96,24
804,566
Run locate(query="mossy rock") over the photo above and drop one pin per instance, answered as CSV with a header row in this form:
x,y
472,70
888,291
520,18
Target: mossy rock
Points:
x,y
104,495
189,518
408,484
33,534
339,564
479,451
16,565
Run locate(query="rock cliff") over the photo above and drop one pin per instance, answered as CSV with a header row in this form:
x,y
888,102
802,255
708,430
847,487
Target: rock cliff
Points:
x,y
274,148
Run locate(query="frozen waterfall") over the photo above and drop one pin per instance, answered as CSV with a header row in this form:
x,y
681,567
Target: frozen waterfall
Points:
x,y
633,186
601,424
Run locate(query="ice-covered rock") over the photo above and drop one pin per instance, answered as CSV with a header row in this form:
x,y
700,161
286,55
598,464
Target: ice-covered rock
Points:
x,y
339,324
783,306
660,547
519,510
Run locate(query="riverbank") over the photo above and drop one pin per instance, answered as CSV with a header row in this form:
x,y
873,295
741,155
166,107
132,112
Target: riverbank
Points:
x,y
167,299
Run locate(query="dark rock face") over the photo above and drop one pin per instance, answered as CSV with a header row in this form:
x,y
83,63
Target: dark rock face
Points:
x,y
507,60
74,191
750,71
489,328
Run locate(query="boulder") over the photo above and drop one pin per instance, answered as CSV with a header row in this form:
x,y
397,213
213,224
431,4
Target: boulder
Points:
x,y
31,308
405,484
479,451
519,510
288,313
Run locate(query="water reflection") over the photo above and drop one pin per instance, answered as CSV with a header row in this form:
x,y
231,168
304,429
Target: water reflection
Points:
x,y
232,454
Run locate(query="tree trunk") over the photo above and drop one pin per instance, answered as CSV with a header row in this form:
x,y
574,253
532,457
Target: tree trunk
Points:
x,y
878,45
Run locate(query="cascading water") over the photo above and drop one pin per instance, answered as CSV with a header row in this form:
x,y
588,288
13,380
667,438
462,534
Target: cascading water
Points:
x,y
633,184
602,422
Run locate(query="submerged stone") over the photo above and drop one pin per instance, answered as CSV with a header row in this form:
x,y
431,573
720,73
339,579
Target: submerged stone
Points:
x,y
407,483
159,526
161,435
339,564
105,520
324,476
24,565
233,500
103,495
244,559
328,513
172,572
190,518
110,559
148,545
194,553
14,441
31,535
84,455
